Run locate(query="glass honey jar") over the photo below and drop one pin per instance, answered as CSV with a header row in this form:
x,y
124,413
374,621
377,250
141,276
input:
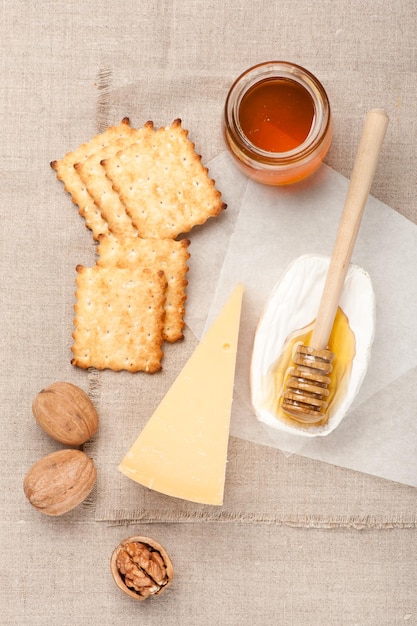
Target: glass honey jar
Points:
x,y
277,122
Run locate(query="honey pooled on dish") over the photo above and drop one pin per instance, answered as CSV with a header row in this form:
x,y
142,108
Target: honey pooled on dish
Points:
x,y
341,343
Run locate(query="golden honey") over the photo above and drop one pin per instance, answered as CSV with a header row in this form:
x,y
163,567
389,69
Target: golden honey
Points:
x,y
276,114
277,123
341,342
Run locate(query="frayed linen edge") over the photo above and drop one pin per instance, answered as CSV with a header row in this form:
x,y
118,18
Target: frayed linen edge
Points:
x,y
368,522
104,81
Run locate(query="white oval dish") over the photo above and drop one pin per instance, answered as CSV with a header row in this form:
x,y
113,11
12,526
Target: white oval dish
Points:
x,y
292,305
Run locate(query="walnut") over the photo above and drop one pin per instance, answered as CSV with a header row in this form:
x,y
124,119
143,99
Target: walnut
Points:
x,y
141,567
66,413
60,481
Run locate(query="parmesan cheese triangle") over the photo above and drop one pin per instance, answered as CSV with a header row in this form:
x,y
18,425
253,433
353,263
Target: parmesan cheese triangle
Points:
x,y
182,451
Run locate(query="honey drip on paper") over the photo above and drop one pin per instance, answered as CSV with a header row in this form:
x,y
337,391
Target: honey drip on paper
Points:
x,y
276,114
341,342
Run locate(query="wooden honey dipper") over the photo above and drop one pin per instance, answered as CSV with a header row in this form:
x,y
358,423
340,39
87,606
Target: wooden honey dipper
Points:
x,y
306,390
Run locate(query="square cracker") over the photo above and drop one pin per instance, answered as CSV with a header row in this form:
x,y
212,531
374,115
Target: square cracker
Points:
x,y
100,187
163,184
119,318
66,172
168,255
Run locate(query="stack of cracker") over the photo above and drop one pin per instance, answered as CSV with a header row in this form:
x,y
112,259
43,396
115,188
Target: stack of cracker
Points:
x,y
138,190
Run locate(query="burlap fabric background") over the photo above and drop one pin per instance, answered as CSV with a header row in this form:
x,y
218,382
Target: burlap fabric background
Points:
x,y
297,541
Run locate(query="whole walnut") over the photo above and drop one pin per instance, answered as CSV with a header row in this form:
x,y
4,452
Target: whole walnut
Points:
x,y
66,413
141,567
60,481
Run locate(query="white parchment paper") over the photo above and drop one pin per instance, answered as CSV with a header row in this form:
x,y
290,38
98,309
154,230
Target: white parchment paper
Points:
x,y
268,228
210,242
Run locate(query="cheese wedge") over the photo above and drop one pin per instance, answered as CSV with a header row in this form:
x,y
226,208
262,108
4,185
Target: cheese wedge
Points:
x,y
182,451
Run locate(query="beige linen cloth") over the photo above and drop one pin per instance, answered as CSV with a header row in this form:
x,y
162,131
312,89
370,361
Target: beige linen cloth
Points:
x,y
262,483
286,546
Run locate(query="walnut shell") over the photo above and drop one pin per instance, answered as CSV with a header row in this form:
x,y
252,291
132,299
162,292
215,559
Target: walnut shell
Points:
x,y
66,413
141,567
60,481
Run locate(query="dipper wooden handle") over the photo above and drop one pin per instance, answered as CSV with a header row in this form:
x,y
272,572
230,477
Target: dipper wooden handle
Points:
x,y
306,389
375,126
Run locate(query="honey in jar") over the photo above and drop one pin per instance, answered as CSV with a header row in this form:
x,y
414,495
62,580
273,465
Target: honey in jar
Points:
x,y
278,123
276,114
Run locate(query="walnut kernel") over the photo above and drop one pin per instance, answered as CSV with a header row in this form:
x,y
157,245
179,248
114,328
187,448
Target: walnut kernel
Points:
x,y
141,567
